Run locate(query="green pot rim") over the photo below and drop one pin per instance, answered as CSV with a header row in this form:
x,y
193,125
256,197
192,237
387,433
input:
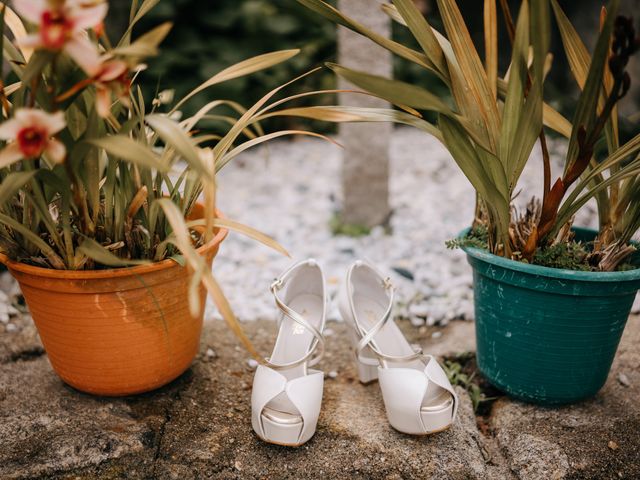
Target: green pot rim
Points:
x,y
558,273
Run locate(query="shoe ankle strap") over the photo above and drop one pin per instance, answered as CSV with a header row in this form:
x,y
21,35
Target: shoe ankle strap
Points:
x,y
367,337
316,351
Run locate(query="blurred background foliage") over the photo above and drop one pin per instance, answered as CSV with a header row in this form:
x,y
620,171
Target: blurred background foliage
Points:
x,y
208,36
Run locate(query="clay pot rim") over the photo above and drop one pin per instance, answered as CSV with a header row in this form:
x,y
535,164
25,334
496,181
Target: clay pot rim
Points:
x,y
109,272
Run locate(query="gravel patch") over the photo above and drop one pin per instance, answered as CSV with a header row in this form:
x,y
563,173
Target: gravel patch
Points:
x,y
292,190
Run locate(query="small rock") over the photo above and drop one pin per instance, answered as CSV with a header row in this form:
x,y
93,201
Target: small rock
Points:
x,y
328,332
332,374
11,328
210,353
624,380
403,272
613,445
238,466
435,335
253,364
419,310
417,321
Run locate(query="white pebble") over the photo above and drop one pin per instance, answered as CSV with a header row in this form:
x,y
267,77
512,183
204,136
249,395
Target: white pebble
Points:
x,y
210,353
416,321
253,364
624,380
332,374
11,327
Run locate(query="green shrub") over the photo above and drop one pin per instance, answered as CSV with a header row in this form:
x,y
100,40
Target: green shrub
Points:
x,y
205,39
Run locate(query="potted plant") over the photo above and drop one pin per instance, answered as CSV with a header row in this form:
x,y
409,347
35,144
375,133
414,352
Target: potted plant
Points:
x,y
100,220
551,300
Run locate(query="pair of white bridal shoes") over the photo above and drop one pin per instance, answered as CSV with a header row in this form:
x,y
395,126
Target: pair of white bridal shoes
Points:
x,y
287,393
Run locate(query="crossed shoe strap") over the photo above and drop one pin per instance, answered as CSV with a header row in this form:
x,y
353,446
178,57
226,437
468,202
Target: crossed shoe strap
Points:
x,y
368,336
316,351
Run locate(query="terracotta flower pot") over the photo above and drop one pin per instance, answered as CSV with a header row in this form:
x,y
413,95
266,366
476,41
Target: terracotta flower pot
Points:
x,y
117,331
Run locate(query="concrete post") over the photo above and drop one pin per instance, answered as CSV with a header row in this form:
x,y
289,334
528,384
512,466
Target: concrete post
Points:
x,y
365,174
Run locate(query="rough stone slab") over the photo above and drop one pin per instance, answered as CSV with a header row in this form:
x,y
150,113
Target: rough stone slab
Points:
x,y
595,439
22,343
199,426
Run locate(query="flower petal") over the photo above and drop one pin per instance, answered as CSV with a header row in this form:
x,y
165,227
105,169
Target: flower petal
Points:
x,y
55,151
9,129
29,41
103,101
111,70
89,17
54,122
10,155
31,10
34,117
84,53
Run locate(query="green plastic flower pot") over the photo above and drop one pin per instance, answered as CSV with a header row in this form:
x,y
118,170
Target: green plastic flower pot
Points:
x,y
547,335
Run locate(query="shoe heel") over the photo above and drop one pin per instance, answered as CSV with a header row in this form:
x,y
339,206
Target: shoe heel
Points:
x,y
367,372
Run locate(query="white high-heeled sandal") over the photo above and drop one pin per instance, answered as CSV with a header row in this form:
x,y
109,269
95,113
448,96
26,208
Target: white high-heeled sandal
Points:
x,y
286,396
417,394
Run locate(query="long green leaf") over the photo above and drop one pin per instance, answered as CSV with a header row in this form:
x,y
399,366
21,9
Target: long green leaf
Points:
x,y
579,61
491,45
265,138
527,133
12,183
632,147
540,37
395,91
423,33
340,114
100,254
245,230
471,69
172,134
130,151
146,6
183,242
147,44
47,251
569,209
404,94
241,69
336,16
586,111
467,158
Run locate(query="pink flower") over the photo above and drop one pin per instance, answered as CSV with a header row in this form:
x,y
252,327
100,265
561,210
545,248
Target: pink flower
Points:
x,y
112,78
62,26
30,133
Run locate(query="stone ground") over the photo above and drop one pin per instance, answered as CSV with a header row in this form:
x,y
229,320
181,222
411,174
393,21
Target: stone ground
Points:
x,y
198,427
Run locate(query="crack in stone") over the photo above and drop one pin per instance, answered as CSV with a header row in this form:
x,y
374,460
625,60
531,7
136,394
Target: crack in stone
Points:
x,y
175,397
27,355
